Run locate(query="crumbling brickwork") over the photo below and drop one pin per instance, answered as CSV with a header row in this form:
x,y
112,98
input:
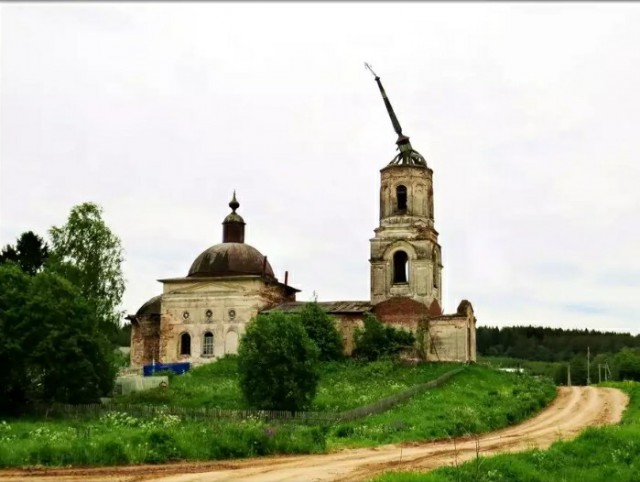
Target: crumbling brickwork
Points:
x,y
145,340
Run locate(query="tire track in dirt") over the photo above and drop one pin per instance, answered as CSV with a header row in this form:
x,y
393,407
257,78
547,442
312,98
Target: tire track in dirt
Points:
x,y
574,409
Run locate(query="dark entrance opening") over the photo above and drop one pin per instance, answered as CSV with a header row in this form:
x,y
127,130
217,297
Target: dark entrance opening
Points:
x,y
185,344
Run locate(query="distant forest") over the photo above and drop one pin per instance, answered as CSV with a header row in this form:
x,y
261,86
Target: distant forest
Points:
x,y
549,344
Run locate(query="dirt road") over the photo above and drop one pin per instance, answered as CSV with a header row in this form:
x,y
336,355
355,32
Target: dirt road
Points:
x,y
574,409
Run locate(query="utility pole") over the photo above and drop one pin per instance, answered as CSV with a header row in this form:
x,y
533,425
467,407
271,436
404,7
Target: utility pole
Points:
x,y
588,367
599,373
569,375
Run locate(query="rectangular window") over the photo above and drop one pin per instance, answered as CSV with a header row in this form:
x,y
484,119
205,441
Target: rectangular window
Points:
x,y
207,344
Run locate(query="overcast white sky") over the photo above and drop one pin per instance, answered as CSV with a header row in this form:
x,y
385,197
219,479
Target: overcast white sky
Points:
x,y
528,114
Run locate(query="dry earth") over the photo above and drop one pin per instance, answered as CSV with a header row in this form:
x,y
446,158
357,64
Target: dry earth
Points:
x,y
574,409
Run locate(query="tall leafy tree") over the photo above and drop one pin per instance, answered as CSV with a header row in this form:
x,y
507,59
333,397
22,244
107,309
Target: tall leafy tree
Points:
x,y
30,253
627,364
89,254
51,348
278,363
14,294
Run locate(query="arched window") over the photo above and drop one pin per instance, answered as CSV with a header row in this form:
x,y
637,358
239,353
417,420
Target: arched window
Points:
x,y
401,198
400,267
436,269
185,344
207,344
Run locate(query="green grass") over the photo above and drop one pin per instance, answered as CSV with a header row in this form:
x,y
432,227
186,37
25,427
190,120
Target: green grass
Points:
x,y
475,401
118,439
350,384
598,454
343,385
214,385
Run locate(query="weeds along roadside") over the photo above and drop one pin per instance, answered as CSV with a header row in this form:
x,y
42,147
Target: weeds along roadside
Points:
x,y
120,439
610,453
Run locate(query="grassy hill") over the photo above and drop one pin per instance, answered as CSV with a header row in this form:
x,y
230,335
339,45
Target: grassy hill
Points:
x,y
477,400
343,385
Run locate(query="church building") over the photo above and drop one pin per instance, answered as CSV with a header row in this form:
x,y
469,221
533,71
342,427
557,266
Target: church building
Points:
x,y
202,316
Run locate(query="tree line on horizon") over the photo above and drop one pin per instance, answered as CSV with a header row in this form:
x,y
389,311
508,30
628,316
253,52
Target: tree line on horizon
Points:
x,y
549,344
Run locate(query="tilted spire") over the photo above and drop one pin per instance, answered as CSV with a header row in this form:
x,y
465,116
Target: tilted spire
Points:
x,y
407,154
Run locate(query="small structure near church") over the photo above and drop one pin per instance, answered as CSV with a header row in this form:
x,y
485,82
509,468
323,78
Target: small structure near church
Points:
x,y
202,316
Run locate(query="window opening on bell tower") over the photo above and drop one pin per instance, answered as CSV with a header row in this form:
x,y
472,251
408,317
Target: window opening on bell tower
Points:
x,y
401,199
400,267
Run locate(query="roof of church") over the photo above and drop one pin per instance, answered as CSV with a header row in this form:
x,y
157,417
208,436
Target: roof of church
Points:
x,y
151,307
229,259
328,306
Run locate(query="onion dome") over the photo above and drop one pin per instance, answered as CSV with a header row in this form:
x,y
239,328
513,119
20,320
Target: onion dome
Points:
x,y
232,257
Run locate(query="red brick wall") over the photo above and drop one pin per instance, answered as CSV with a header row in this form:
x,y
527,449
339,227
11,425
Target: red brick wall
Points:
x,y
400,311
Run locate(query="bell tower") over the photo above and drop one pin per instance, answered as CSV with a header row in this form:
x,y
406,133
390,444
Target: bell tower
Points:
x,y
405,254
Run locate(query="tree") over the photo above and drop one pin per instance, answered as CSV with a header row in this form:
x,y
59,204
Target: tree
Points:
x,y
579,369
89,254
627,364
14,287
8,254
278,363
377,340
322,330
51,348
30,253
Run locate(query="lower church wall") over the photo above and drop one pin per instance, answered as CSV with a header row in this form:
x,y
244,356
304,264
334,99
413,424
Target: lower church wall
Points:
x,y
447,338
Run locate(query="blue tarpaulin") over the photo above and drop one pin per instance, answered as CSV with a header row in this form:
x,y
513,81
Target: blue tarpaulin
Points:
x,y
177,368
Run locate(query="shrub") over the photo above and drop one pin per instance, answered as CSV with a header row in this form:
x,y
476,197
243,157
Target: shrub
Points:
x,y
162,447
278,363
113,453
377,340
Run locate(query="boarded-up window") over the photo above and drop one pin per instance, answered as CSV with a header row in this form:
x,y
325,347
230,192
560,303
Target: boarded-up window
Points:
x,y
231,343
